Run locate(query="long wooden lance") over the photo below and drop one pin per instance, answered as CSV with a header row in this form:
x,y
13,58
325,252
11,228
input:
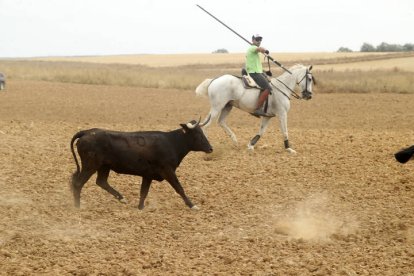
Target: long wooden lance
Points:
x,y
269,57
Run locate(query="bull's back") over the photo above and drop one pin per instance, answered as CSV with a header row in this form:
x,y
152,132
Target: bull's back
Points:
x,y
135,153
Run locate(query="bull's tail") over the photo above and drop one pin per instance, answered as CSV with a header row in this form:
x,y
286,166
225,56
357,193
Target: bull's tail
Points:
x,y
77,172
202,88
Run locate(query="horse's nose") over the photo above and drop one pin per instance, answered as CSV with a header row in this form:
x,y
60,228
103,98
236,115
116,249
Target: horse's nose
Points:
x,y
307,96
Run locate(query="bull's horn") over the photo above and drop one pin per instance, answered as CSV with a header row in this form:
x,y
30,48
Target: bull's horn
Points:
x,y
208,120
191,126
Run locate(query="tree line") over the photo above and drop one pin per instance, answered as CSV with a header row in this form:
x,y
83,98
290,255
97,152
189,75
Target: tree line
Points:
x,y
383,47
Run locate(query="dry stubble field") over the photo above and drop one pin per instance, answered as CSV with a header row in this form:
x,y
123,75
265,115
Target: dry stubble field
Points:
x,y
341,206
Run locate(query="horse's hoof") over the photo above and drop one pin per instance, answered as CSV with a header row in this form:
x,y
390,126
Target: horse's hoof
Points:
x,y
195,208
250,147
123,200
235,144
291,151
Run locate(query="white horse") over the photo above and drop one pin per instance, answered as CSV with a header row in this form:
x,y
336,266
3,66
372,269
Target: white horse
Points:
x,y
227,91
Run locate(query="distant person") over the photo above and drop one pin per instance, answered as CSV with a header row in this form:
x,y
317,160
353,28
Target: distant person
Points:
x,y
2,81
255,70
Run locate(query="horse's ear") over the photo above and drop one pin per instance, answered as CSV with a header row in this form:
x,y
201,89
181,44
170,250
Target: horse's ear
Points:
x,y
310,67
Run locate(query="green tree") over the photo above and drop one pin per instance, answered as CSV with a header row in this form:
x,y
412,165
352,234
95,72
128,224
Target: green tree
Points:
x,y
408,47
366,47
221,51
385,47
344,50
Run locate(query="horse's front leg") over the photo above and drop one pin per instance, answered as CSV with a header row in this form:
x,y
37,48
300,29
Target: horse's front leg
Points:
x,y
283,129
263,126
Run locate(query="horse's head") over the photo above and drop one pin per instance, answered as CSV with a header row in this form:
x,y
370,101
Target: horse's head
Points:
x,y
306,80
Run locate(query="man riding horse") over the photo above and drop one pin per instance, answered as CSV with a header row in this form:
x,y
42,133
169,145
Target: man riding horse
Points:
x,y
255,70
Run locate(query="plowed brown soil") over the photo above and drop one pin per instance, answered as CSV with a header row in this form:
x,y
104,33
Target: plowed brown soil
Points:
x,y
341,206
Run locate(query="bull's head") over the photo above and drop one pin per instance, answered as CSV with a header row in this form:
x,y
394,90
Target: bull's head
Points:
x,y
198,140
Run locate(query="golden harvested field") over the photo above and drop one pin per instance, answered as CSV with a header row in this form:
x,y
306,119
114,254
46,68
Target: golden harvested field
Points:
x,y
337,61
191,59
341,206
405,64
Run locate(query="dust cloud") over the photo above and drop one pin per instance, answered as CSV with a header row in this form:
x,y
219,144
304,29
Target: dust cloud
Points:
x,y
317,217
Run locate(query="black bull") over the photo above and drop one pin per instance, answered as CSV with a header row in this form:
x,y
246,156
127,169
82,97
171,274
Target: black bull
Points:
x,y
154,155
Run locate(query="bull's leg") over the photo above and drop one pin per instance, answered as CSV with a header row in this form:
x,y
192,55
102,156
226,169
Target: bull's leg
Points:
x,y
102,181
78,180
171,177
145,185
263,126
222,122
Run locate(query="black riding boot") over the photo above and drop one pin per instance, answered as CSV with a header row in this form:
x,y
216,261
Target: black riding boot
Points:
x,y
262,98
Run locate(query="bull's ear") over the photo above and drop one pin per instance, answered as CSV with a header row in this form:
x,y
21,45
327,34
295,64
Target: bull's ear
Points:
x,y
185,128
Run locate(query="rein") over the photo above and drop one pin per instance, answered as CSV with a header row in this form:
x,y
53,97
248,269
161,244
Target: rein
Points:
x,y
294,94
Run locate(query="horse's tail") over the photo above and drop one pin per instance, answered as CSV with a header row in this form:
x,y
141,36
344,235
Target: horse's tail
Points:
x,y
202,88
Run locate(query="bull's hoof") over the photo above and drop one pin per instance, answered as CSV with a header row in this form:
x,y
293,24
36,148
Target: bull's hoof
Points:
x,y
77,204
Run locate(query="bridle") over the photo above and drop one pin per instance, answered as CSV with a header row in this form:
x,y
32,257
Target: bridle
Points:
x,y
307,76
293,93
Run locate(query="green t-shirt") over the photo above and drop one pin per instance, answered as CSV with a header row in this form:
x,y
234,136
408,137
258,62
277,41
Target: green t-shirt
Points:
x,y
253,64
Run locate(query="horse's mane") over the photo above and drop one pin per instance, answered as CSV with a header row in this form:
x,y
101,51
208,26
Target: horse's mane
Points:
x,y
292,68
297,65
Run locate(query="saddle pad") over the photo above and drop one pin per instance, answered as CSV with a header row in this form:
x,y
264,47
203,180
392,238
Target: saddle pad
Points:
x,y
248,82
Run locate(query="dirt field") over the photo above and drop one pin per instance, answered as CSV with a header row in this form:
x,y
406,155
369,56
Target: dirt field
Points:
x,y
341,206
